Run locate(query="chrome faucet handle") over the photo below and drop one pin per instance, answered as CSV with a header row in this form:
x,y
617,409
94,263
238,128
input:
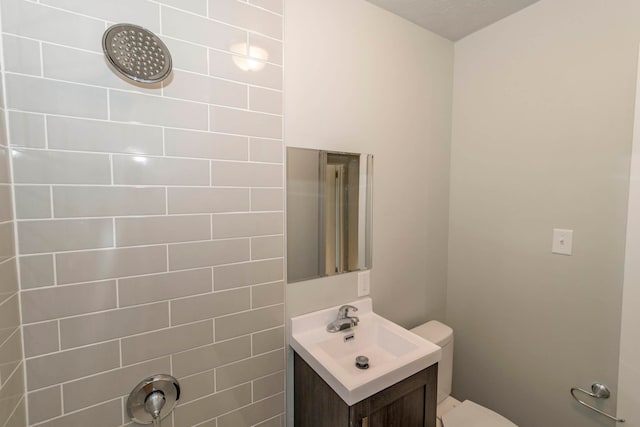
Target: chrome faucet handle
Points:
x,y
343,312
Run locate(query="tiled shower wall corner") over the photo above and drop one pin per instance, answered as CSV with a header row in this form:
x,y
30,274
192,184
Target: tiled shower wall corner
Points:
x,y
12,402
150,220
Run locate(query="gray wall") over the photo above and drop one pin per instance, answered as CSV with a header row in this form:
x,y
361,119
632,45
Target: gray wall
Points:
x,y
629,375
360,79
150,220
12,402
543,119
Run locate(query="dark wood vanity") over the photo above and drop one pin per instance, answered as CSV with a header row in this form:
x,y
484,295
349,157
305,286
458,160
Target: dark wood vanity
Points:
x,y
409,403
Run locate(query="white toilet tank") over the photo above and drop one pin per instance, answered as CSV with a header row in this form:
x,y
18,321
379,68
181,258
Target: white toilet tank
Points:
x,y
452,412
442,335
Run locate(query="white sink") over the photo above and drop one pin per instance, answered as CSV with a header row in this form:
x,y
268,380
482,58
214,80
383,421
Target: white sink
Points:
x,y
394,353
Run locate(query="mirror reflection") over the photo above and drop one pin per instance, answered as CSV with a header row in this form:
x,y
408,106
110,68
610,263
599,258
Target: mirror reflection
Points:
x,y
328,213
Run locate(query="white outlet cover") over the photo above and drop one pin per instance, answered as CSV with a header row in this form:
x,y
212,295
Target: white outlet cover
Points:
x,y
364,283
562,241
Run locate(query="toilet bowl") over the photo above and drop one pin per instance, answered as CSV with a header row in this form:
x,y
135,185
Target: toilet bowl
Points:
x,y
451,412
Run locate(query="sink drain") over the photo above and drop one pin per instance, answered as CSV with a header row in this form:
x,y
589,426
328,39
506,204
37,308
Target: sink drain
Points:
x,y
362,362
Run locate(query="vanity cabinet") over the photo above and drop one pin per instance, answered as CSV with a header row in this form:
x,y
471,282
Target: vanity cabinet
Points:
x,y
409,403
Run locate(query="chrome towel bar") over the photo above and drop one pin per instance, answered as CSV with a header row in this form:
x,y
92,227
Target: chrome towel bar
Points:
x,y
598,391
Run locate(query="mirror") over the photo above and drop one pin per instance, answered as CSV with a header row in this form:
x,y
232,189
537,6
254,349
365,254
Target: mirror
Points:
x,y
328,213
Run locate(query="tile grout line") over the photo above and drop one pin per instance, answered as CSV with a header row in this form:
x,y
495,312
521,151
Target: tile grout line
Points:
x,y
228,24
149,217
188,42
142,333
4,111
51,204
104,372
164,328
153,274
23,398
61,399
153,186
97,154
61,416
148,94
6,340
108,105
190,375
143,125
41,52
164,141
59,337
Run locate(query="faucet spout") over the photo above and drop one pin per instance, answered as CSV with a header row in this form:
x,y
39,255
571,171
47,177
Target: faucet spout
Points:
x,y
343,321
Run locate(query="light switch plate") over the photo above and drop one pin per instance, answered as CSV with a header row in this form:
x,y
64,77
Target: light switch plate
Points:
x,y
562,241
364,284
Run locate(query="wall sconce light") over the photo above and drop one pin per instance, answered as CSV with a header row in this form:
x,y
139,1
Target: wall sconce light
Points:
x,y
249,58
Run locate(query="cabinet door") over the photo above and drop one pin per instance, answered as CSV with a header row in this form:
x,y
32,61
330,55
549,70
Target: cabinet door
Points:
x,y
315,403
410,403
407,411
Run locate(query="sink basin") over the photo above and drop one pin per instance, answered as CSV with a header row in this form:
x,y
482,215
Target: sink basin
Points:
x,y
394,353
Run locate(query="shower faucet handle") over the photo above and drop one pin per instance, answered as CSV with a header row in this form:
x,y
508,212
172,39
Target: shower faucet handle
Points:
x,y
153,399
154,402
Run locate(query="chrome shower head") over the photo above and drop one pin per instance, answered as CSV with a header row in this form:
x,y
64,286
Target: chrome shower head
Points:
x,y
136,53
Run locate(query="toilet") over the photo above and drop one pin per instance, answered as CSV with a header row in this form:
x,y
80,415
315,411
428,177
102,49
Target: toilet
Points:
x,y
451,412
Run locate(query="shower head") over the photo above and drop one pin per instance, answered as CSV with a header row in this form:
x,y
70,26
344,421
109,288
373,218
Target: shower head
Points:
x,y
136,53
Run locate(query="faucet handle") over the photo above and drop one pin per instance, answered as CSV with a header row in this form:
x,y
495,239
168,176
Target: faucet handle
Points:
x,y
344,311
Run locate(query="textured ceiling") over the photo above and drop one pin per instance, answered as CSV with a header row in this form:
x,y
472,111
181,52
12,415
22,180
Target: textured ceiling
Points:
x,y
453,19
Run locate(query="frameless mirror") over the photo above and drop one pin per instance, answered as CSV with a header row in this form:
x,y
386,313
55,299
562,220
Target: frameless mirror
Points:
x,y
328,213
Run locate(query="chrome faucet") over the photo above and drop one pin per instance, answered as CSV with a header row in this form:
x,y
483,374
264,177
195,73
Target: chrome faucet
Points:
x,y
343,321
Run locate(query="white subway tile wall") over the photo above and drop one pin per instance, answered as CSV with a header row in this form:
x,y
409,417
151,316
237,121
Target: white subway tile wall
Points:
x,y
149,219
12,389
